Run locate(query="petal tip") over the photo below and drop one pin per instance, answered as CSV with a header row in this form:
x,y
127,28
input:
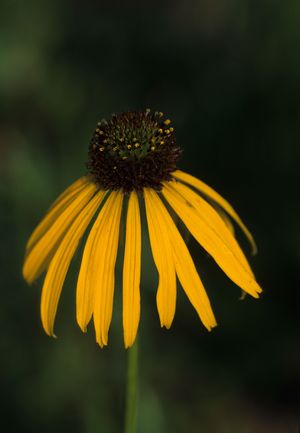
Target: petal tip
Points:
x,y
128,344
50,333
26,275
82,325
129,340
83,329
101,344
211,326
166,324
254,250
242,295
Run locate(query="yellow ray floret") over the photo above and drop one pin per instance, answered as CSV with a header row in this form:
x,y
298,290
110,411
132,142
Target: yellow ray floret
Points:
x,y
85,294
164,261
226,220
103,265
60,263
211,241
55,210
44,249
216,197
194,203
85,290
132,271
183,262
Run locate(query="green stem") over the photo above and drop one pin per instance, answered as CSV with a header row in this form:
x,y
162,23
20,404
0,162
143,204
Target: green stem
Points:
x,y
132,389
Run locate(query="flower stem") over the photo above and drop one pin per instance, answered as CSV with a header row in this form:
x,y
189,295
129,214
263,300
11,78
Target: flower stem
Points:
x,y
132,389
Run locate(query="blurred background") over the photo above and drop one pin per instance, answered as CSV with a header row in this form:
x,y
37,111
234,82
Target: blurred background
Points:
x,y
227,73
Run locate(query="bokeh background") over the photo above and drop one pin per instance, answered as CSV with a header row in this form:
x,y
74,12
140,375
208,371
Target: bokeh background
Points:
x,y
227,73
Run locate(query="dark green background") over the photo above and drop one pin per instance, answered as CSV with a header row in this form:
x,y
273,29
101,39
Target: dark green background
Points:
x,y
227,73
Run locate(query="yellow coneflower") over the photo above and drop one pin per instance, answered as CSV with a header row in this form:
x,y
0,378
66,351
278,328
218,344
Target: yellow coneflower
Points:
x,y
133,157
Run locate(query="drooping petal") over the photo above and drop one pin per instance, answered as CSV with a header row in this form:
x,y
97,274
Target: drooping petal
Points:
x,y
132,271
103,265
43,250
55,210
164,261
210,217
60,263
208,237
184,264
85,290
226,220
213,195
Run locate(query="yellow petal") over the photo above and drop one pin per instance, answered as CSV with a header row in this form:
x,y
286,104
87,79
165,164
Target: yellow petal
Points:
x,y
208,237
103,265
55,210
213,195
226,220
60,263
132,271
85,290
184,265
164,261
195,203
42,252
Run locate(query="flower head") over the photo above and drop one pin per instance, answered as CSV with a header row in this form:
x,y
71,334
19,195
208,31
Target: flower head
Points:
x,y
133,151
132,158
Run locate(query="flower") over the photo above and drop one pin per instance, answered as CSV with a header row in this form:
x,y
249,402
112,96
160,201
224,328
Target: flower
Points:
x,y
133,157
